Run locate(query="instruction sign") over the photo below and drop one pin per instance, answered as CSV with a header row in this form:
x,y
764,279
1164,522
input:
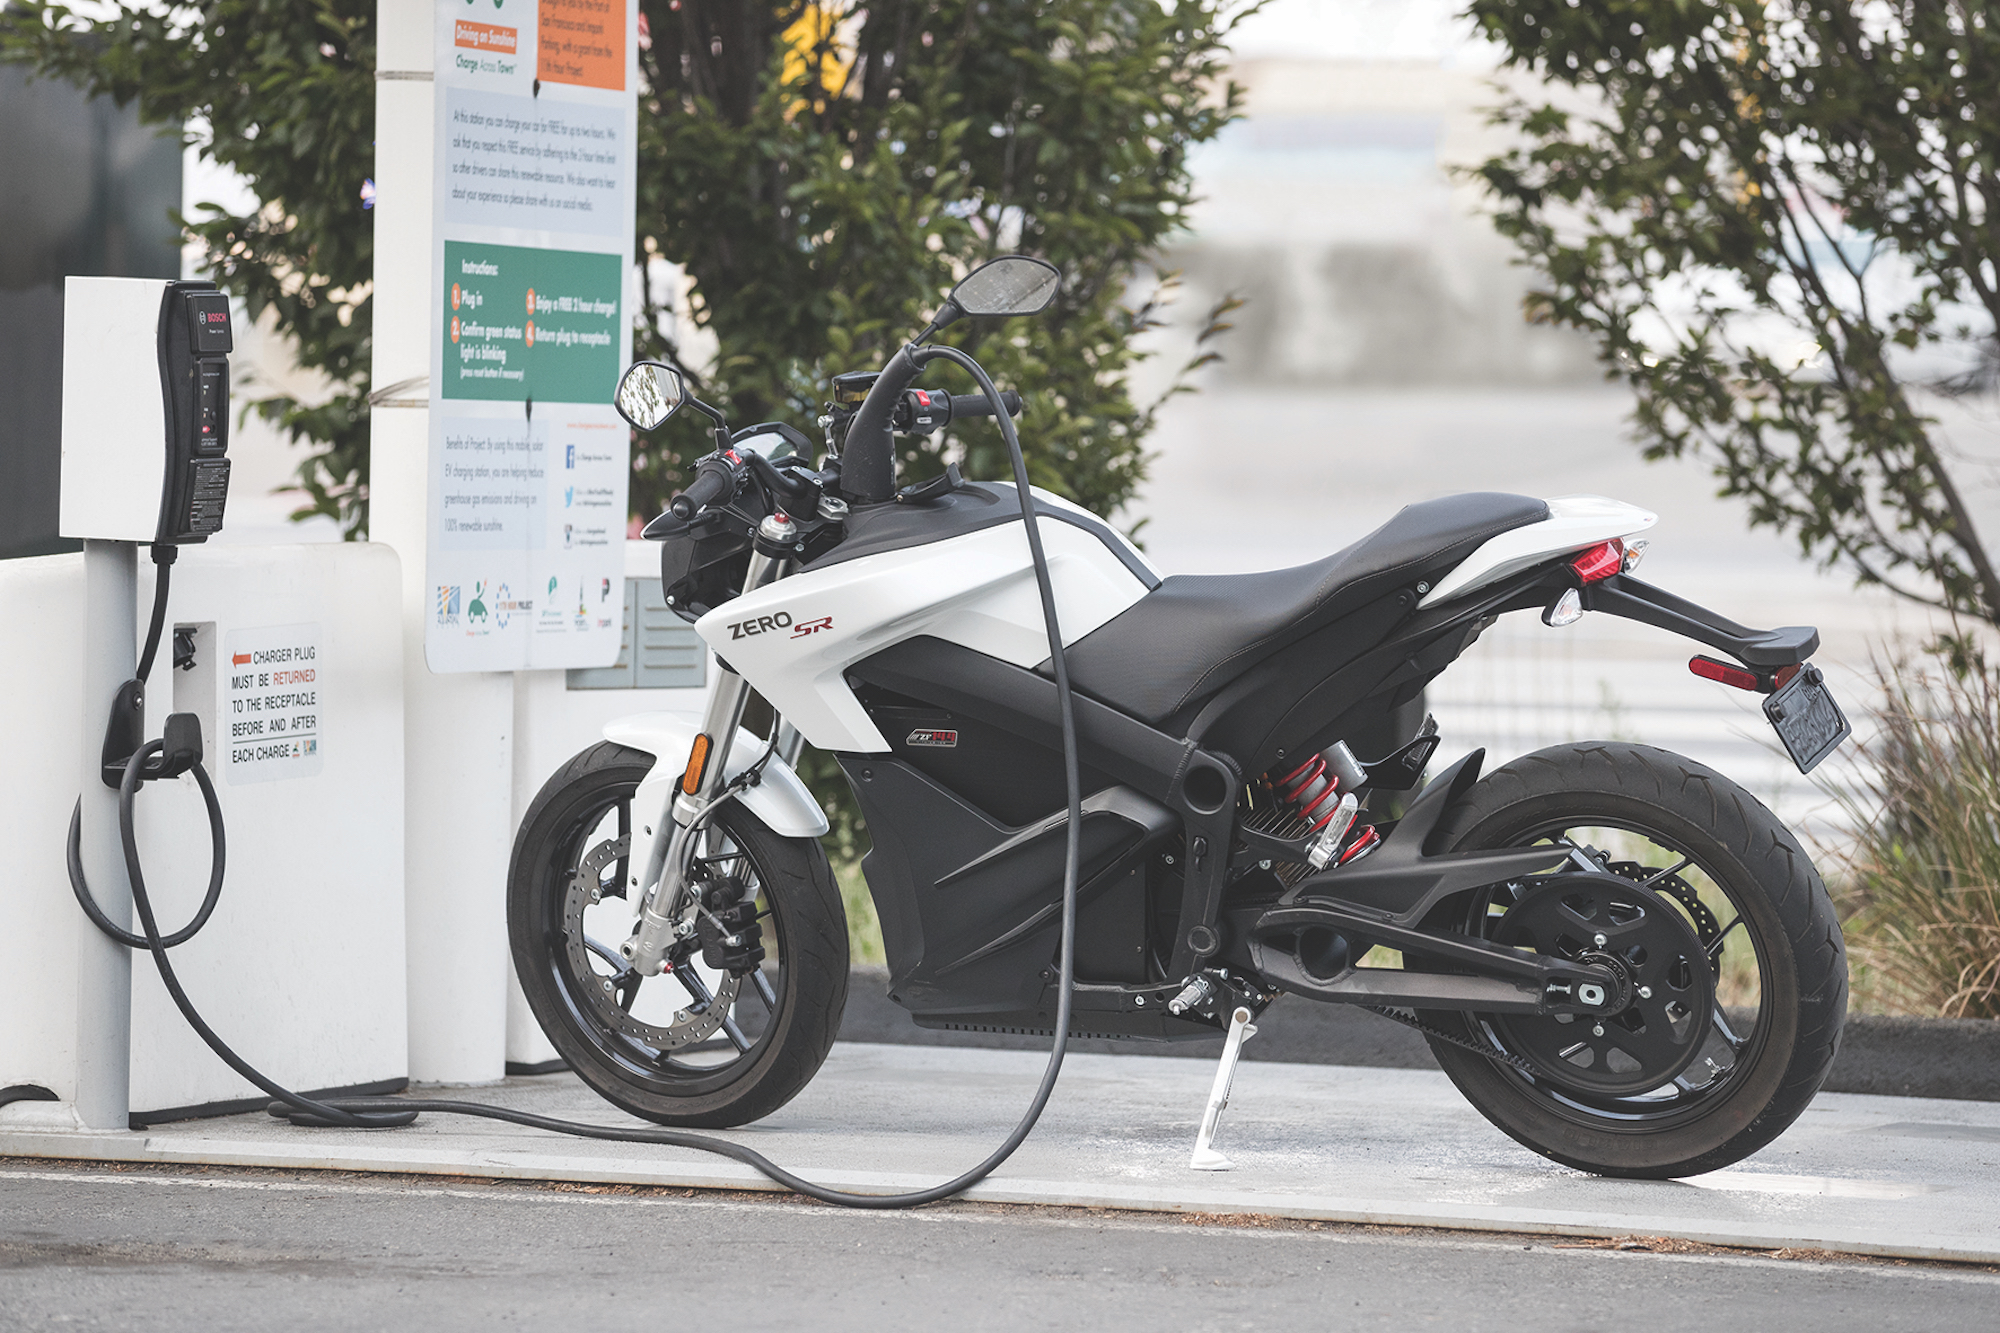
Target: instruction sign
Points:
x,y
535,168
272,715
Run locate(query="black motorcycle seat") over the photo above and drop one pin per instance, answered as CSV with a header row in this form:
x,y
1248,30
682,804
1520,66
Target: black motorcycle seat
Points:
x,y
1197,632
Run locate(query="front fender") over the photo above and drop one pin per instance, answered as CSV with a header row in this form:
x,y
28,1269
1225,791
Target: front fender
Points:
x,y
780,799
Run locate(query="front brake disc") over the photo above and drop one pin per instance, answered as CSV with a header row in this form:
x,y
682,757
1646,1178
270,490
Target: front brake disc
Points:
x,y
611,996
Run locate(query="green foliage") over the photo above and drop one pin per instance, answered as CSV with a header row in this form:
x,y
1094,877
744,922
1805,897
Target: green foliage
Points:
x,y
824,173
287,91
1924,868
1776,220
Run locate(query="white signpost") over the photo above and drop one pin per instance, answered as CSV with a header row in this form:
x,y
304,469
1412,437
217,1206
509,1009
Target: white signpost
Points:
x,y
504,164
534,165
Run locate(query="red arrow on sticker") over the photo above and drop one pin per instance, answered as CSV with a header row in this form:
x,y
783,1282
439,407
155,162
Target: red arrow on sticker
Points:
x,y
240,659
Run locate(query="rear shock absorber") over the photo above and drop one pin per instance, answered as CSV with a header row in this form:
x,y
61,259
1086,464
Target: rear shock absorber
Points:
x,y
1317,799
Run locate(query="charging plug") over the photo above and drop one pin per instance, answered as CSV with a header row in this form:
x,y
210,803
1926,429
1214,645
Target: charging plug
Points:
x,y
181,746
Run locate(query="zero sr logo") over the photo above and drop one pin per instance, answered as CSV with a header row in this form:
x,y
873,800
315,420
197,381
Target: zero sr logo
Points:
x,y
743,629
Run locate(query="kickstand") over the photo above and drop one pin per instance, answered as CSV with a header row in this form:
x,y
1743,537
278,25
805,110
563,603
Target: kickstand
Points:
x,y
1206,1158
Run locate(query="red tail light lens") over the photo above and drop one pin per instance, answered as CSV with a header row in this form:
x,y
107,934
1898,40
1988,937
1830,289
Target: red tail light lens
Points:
x,y
1600,562
1710,669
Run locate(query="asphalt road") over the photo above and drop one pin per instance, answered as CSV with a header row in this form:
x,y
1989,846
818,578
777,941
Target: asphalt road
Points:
x,y
169,1249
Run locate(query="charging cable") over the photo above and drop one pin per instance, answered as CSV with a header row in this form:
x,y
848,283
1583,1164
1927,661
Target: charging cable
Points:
x,y
171,756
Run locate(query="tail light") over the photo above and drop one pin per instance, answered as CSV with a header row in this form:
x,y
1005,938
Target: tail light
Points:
x,y
1600,562
1735,676
1741,678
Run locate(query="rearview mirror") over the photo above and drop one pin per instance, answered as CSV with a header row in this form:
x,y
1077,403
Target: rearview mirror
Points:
x,y
649,394
1009,285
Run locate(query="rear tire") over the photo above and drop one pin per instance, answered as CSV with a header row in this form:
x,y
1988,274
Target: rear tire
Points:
x,y
712,1082
1750,865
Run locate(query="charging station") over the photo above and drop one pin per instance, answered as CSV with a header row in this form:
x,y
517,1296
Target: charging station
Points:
x,y
293,660
290,660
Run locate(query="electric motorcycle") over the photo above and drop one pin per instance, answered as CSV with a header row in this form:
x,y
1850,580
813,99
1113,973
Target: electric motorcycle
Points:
x,y
1618,955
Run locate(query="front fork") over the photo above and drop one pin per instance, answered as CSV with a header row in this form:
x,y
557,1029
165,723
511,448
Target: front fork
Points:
x,y
663,918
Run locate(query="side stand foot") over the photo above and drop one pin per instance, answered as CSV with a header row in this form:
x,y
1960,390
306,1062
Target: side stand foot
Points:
x,y
1206,1158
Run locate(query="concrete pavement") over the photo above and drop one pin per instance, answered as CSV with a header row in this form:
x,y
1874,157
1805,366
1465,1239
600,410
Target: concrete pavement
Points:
x,y
1861,1174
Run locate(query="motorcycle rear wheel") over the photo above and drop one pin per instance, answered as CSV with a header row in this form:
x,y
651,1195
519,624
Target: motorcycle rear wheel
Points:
x,y
1747,887
654,1046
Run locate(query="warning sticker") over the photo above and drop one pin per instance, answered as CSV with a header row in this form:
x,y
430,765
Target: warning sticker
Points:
x,y
271,718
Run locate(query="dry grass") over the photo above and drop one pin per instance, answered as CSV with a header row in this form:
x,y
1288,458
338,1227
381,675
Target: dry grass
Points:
x,y
1922,877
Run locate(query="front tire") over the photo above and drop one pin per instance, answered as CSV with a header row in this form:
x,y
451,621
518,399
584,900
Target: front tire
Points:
x,y
655,1046
1760,909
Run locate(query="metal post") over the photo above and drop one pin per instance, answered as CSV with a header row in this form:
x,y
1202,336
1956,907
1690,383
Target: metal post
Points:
x,y
104,967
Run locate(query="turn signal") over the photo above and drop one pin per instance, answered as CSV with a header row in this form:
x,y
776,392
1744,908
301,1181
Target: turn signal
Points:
x,y
1600,562
697,761
1566,609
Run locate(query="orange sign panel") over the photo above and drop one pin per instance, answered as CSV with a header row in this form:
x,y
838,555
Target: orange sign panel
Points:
x,y
583,42
484,37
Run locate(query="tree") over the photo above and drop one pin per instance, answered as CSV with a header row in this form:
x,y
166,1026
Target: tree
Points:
x,y
821,171
286,90
824,172
1781,223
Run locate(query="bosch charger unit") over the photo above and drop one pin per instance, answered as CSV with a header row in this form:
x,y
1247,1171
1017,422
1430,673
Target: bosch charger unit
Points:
x,y
139,468
144,460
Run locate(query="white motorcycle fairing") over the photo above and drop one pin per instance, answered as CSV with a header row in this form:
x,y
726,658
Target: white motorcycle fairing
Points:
x,y
779,799
1575,523
795,639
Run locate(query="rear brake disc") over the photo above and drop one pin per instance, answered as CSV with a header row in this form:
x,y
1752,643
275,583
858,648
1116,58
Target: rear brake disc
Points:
x,y
1666,986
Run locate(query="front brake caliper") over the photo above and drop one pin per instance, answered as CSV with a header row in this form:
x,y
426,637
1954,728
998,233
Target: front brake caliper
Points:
x,y
731,938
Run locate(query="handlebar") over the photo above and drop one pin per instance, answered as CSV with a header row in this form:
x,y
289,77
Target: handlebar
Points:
x,y
715,479
976,405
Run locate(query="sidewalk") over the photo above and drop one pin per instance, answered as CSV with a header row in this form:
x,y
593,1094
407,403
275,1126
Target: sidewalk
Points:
x,y
1875,1175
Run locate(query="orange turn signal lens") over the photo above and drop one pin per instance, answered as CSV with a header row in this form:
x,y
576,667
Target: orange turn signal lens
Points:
x,y
697,763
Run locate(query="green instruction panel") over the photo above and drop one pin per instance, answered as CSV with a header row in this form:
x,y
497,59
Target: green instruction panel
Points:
x,y
523,323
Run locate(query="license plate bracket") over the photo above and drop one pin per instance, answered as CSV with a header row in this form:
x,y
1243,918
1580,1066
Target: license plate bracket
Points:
x,y
1806,718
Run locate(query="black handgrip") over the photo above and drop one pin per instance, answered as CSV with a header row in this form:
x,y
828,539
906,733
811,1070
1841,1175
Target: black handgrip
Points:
x,y
975,404
714,480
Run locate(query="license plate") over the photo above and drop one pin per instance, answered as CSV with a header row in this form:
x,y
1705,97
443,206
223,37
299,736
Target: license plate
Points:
x,y
1807,719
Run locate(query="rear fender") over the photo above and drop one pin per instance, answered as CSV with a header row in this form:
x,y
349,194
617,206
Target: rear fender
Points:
x,y
779,798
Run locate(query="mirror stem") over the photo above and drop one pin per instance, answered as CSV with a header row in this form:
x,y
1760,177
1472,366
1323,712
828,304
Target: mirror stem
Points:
x,y
947,315
721,431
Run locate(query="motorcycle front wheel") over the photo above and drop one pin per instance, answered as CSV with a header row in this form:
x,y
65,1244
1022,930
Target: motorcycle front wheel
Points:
x,y
1695,845
696,1045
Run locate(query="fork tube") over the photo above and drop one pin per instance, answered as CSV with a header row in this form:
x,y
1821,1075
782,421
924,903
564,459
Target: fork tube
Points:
x,y
658,924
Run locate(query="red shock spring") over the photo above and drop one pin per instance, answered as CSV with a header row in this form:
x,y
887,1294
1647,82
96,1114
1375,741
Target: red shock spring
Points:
x,y
1311,791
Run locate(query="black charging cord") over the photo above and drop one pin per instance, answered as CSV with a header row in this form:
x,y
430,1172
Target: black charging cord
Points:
x,y
384,1112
